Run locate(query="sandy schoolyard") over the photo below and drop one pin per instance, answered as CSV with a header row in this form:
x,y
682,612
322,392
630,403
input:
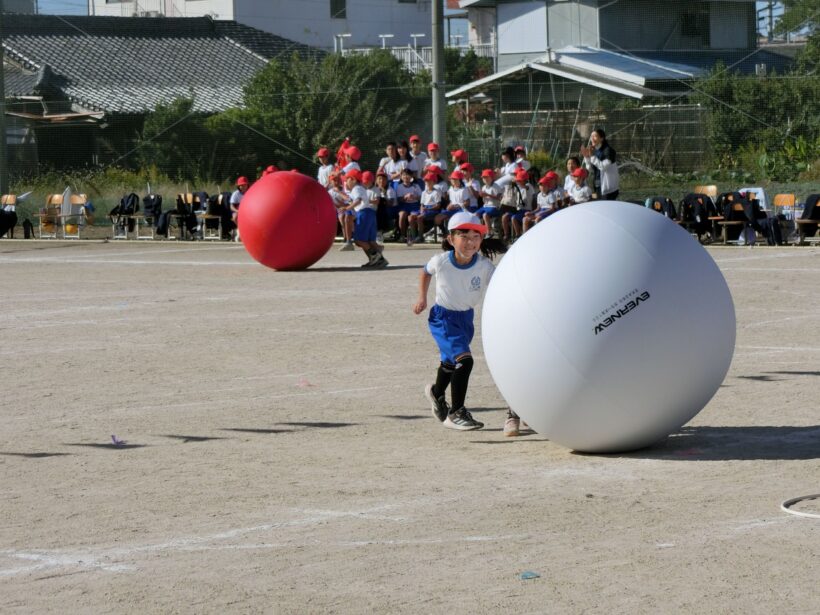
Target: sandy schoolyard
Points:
x,y
279,455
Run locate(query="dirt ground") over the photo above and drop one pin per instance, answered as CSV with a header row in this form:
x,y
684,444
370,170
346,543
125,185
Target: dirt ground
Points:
x,y
280,457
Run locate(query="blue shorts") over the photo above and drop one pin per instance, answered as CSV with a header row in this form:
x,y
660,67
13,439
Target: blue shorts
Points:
x,y
365,225
493,212
544,213
450,212
519,215
452,330
410,207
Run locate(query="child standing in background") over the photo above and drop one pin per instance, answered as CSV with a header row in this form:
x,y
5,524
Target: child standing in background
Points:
x,y
462,273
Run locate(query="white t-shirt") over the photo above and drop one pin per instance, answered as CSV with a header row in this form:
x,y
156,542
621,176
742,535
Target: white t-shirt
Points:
x,y
338,196
323,176
420,159
569,183
430,198
459,287
351,166
373,194
358,195
442,187
416,165
524,203
441,164
388,193
402,191
475,185
548,200
459,196
522,163
507,174
492,194
236,197
394,167
580,195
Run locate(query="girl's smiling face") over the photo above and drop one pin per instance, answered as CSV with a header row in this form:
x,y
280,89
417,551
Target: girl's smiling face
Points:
x,y
466,244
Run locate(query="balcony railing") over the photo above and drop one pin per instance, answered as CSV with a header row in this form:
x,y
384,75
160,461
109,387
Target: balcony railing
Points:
x,y
421,58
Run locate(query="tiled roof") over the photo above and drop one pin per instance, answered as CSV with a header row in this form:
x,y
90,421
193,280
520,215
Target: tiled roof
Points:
x,y
129,65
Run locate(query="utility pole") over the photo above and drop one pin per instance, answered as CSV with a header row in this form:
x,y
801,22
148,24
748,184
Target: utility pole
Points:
x,y
439,102
4,163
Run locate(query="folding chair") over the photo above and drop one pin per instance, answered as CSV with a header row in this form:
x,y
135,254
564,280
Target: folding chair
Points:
x,y
737,217
709,190
210,221
49,217
8,215
183,212
807,225
72,216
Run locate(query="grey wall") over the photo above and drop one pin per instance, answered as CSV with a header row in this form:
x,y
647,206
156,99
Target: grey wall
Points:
x,y
656,24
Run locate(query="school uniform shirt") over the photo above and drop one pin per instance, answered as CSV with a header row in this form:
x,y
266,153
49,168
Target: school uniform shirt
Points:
x,y
236,198
523,200
359,193
383,162
522,163
475,185
416,165
440,163
420,159
323,176
337,196
394,166
507,175
459,287
580,195
548,200
388,194
569,183
492,195
442,187
459,196
350,166
402,191
430,198
373,194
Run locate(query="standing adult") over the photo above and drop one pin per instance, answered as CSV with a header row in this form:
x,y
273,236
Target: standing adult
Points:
x,y
601,159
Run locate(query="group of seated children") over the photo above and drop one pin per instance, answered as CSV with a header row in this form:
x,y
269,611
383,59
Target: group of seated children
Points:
x,y
411,193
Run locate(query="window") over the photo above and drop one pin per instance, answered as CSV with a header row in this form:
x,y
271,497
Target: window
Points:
x,y
696,23
338,9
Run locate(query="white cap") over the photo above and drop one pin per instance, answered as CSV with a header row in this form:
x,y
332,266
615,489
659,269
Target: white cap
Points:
x,y
464,220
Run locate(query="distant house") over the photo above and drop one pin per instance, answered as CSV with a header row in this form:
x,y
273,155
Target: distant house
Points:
x,y
99,76
318,23
558,60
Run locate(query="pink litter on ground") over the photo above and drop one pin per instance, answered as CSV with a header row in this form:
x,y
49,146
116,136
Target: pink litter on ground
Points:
x,y
303,384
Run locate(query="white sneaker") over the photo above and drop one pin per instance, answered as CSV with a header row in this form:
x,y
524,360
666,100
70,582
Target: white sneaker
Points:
x,y
512,426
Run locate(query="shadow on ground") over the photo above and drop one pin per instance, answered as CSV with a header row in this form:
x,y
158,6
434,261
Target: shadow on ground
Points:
x,y
705,443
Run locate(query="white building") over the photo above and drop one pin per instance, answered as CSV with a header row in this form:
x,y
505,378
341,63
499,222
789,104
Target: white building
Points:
x,y
313,22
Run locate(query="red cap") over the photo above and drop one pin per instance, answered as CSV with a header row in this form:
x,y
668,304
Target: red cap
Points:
x,y
323,152
521,175
414,138
367,177
457,175
459,154
430,177
488,173
580,172
353,152
552,175
467,167
434,168
242,181
520,148
432,146
355,174
381,173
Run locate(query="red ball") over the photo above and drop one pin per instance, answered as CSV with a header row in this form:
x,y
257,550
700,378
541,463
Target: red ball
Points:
x,y
287,221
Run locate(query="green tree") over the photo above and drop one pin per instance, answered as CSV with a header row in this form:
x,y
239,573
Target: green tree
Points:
x,y
176,140
460,69
293,107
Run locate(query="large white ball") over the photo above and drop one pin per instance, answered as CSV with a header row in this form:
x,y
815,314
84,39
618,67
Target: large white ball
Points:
x,y
607,327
